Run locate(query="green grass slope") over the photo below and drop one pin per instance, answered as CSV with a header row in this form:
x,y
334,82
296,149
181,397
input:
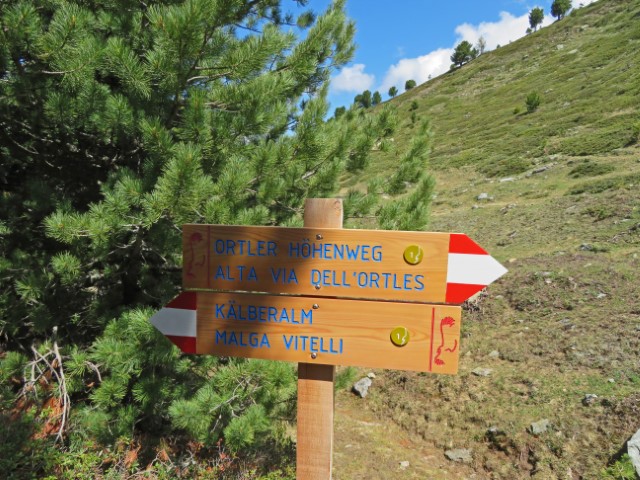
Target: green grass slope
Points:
x,y
563,215
585,69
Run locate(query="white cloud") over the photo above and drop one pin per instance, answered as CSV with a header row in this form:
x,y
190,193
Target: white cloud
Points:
x,y
352,79
419,69
507,29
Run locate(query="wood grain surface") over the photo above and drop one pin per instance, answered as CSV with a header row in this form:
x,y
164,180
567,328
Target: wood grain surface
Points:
x,y
335,332
316,261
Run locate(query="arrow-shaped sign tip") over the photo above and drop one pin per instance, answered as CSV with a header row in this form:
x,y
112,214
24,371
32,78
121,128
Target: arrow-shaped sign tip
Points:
x,y
470,269
177,321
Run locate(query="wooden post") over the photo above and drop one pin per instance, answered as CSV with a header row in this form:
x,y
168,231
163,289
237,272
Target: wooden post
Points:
x,y
315,382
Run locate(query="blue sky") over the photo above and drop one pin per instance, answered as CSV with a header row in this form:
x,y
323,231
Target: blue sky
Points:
x,y
413,39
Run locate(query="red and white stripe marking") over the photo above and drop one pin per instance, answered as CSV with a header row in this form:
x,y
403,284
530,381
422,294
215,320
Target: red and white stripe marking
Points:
x,y
177,321
470,268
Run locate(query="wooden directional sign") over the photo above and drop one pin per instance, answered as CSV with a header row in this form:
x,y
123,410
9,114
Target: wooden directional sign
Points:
x,y
315,330
367,264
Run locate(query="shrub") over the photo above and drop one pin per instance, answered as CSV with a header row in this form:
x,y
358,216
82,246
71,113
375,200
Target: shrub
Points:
x,y
532,102
590,169
621,470
504,167
605,184
600,141
635,132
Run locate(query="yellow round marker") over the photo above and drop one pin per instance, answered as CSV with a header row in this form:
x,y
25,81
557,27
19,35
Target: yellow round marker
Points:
x,y
400,336
413,254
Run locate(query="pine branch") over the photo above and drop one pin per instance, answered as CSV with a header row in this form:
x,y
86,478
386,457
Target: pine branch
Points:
x,y
209,78
205,40
22,147
47,72
244,27
55,368
62,386
222,106
95,368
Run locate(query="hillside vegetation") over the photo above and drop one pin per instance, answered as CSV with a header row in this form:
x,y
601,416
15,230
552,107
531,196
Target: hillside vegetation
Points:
x,y
562,212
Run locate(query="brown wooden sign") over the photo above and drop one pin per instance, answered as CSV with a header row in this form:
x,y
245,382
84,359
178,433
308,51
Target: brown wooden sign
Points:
x,y
374,264
329,331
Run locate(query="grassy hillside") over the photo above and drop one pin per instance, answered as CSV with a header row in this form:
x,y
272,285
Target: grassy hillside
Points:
x,y
586,71
564,216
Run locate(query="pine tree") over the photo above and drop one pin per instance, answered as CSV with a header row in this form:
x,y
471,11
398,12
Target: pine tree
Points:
x,y
463,53
536,16
364,99
121,121
559,8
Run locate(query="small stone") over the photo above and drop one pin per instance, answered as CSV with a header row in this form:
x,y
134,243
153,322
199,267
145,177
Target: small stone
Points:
x,y
575,50
601,295
539,427
462,455
494,431
474,207
508,207
566,324
560,46
541,169
484,196
371,375
633,449
611,380
404,464
482,372
587,247
361,387
589,399
494,354
507,179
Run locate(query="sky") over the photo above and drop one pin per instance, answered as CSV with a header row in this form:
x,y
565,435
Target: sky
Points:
x,y
414,39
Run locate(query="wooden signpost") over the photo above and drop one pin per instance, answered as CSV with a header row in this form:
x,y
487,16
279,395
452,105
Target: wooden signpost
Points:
x,y
373,264
322,296
319,330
